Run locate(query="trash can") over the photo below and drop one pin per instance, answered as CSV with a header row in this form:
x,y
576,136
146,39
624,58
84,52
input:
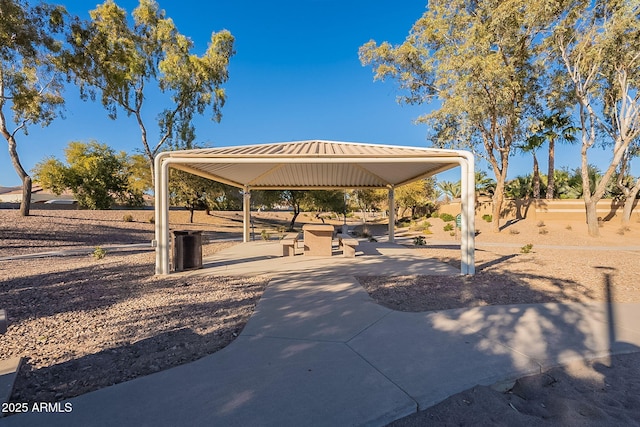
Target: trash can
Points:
x,y
187,250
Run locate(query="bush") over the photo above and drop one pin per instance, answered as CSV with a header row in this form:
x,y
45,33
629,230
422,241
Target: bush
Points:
x,y
264,235
487,217
526,248
127,218
98,253
152,220
568,227
453,233
435,215
419,241
513,231
448,227
543,231
447,217
426,226
540,224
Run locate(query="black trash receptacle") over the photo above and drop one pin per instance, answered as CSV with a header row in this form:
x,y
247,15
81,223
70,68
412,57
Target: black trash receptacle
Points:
x,y
187,250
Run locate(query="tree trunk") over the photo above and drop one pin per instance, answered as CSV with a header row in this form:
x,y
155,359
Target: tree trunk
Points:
x,y
296,212
551,181
496,210
592,218
191,211
25,204
629,202
536,178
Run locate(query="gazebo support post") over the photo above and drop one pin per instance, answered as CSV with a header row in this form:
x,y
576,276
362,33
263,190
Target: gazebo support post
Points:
x,y
467,214
246,215
161,214
392,215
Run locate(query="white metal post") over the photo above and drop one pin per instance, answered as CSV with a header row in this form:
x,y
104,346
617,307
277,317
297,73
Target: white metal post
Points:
x,y
467,205
246,210
392,215
161,214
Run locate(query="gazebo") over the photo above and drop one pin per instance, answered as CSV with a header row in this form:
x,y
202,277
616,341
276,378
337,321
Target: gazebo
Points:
x,y
314,165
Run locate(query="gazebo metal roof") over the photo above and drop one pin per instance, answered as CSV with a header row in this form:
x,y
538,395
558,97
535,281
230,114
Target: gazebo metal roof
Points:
x,y
314,164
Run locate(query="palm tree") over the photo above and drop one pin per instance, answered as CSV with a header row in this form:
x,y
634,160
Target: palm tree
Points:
x,y
556,127
485,186
532,144
450,189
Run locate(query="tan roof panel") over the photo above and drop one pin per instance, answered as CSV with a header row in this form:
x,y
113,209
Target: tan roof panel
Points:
x,y
316,164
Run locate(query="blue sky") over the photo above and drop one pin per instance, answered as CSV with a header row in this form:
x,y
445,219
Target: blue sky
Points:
x,y
295,76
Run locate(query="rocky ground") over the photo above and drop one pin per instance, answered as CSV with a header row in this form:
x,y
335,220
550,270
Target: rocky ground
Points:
x,y
84,323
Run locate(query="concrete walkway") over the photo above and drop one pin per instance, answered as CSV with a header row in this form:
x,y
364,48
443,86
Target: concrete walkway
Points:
x,y
319,351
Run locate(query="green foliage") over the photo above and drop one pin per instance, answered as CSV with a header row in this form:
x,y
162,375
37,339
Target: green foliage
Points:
x,y
452,190
447,217
526,248
419,241
31,84
197,193
487,217
264,235
416,195
479,64
96,175
122,62
127,218
448,227
98,253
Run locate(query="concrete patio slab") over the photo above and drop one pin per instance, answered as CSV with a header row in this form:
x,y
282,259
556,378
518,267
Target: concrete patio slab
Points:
x,y
432,364
323,308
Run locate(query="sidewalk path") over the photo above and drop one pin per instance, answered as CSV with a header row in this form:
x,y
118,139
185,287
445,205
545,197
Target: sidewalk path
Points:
x,y
319,351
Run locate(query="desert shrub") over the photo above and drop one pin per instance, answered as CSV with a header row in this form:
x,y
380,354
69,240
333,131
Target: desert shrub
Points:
x,y
403,223
151,220
513,231
540,224
568,227
435,215
487,217
447,217
543,231
264,234
419,241
526,248
453,233
127,218
425,226
98,253
448,227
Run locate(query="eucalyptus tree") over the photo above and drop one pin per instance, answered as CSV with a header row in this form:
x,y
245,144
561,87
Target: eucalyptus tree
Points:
x,y
476,62
125,64
30,83
415,195
598,46
96,174
629,186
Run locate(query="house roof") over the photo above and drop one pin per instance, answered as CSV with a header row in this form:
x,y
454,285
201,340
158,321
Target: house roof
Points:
x,y
315,164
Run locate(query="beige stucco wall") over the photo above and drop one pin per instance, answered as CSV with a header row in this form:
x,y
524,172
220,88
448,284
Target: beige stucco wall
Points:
x,y
566,209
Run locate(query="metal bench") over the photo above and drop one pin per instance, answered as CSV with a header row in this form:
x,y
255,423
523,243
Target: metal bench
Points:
x,y
289,243
348,247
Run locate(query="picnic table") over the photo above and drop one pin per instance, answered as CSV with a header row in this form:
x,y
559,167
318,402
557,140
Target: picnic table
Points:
x,y
318,239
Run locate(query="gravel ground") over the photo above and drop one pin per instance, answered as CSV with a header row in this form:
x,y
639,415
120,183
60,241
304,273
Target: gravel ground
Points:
x,y
83,323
